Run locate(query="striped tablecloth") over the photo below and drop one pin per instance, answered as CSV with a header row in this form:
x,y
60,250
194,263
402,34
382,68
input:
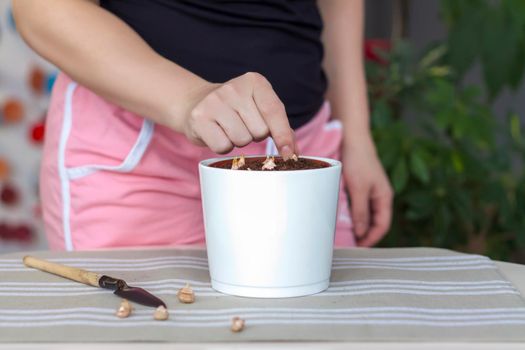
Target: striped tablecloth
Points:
x,y
418,294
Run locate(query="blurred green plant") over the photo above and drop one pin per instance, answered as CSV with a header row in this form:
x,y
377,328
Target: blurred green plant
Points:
x,y
456,168
491,32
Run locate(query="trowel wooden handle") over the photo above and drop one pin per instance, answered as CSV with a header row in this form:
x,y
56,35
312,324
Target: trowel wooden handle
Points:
x,y
73,273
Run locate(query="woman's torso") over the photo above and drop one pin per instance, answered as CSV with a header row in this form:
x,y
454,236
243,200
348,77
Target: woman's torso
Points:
x,y
221,39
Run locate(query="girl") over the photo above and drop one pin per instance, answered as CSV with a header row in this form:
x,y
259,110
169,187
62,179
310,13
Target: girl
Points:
x,y
146,83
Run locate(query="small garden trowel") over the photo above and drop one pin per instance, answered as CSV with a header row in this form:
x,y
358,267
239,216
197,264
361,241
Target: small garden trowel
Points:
x,y
135,294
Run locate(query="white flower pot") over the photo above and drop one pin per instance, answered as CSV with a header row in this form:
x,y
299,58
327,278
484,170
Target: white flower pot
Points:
x,y
270,234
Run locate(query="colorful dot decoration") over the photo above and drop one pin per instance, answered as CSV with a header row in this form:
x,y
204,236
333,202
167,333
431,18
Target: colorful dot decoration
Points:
x,y
23,102
9,194
36,80
41,82
50,81
4,169
22,233
12,110
37,132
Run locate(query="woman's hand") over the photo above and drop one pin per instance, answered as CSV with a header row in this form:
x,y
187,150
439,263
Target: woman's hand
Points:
x,y
370,191
123,69
233,114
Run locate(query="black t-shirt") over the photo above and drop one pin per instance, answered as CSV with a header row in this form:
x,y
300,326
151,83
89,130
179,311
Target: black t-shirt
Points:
x,y
221,39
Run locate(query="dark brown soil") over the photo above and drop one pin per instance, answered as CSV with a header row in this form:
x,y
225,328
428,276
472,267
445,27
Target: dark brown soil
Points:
x,y
256,163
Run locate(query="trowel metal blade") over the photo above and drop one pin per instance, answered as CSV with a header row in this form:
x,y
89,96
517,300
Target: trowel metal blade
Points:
x,y
140,296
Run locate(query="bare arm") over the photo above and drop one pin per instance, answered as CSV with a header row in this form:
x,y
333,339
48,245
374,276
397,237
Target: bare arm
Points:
x,y
100,51
368,186
343,41
103,53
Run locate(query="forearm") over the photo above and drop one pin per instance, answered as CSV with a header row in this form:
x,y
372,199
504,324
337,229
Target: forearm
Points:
x,y
343,41
101,52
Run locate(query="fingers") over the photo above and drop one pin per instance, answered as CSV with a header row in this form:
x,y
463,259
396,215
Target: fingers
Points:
x,y
254,121
217,125
213,136
381,205
239,97
274,114
233,126
246,109
360,210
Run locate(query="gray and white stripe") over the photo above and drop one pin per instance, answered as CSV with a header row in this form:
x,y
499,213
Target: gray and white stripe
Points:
x,y
202,318
377,294
354,287
443,263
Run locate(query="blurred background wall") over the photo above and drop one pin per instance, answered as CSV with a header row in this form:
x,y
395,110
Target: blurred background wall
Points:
x,y
25,82
448,106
